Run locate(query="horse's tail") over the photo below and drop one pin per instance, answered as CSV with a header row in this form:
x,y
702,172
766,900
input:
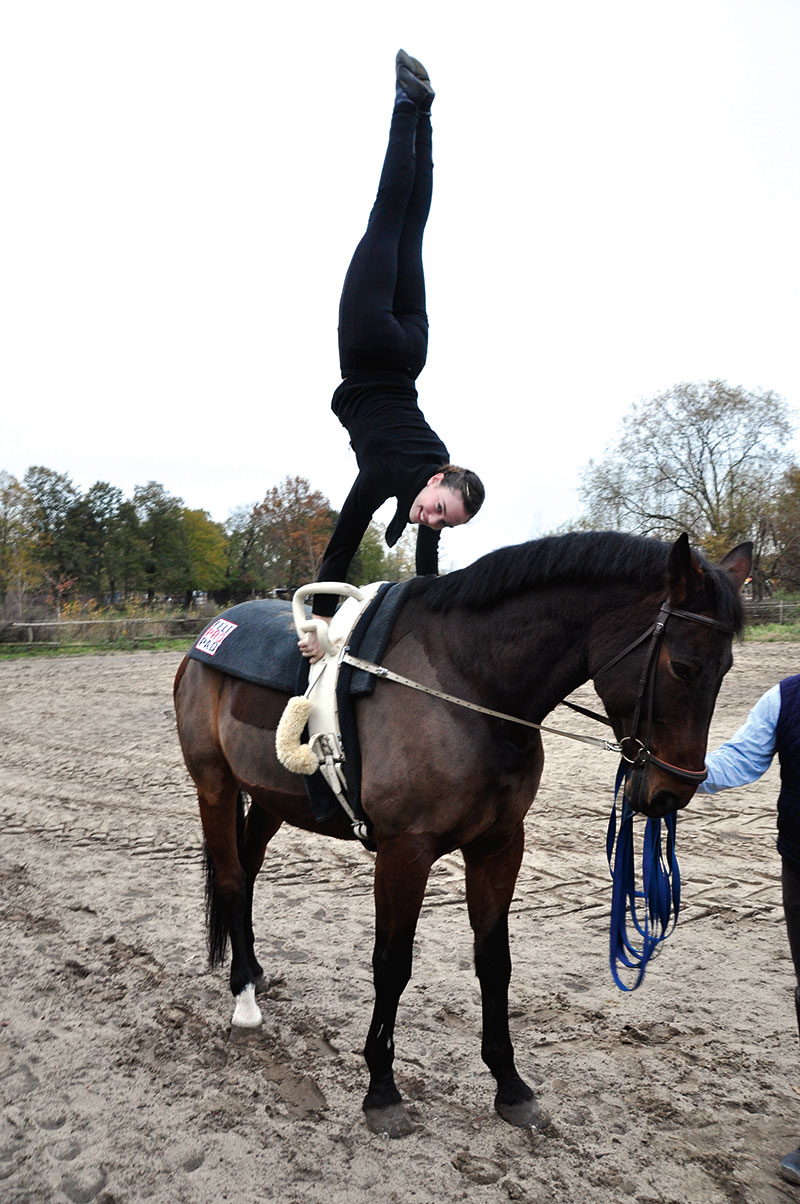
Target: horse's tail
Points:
x,y
216,914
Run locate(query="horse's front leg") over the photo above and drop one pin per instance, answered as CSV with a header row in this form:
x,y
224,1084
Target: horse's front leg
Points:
x,y
402,867
492,866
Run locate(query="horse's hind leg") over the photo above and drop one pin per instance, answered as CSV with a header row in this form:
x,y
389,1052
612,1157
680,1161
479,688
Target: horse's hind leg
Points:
x,y
401,872
232,862
491,874
234,847
259,829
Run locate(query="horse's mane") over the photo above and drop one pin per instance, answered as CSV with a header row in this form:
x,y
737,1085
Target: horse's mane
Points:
x,y
581,557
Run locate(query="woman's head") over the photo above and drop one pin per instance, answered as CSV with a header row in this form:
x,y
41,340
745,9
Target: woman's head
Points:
x,y
451,497
466,483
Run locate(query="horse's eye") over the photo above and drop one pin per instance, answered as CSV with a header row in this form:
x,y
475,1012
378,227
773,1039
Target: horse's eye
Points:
x,y
681,671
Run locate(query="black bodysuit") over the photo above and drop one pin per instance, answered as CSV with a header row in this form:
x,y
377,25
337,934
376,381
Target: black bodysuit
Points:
x,y
383,343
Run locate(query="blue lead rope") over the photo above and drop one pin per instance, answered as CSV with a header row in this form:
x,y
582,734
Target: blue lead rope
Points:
x,y
653,911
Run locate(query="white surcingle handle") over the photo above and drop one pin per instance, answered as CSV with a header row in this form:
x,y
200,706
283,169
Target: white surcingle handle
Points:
x,y
296,756
302,624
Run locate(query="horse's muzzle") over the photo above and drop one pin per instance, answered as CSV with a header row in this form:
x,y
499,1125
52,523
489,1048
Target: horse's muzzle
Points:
x,y
656,805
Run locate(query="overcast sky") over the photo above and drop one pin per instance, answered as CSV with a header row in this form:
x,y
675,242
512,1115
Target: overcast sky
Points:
x,y
616,201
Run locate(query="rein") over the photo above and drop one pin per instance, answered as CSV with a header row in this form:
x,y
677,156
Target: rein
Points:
x,y
389,675
654,909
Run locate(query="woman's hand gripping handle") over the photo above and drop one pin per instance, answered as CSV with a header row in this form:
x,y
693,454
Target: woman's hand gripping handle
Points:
x,y
314,640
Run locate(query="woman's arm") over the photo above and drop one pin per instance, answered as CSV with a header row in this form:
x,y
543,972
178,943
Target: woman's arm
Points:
x,y
427,557
748,754
369,491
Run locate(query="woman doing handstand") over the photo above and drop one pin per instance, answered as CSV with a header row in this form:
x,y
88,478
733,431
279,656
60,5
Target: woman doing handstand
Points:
x,y
383,345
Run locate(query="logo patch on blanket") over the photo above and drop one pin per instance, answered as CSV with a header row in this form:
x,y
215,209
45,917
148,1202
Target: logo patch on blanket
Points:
x,y
213,636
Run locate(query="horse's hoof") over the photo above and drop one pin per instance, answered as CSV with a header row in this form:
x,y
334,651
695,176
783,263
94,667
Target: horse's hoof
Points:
x,y
241,1034
392,1121
526,1114
247,1013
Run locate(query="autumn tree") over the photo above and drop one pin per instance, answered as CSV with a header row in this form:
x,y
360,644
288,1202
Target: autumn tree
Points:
x,y
206,558
374,561
279,543
241,531
781,560
19,573
52,495
85,536
125,554
178,550
705,458
100,507
162,537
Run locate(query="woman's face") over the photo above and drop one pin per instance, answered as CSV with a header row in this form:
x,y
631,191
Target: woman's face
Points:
x,y
437,507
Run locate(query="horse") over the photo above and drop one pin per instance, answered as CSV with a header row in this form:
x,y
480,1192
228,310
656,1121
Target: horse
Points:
x,y
651,623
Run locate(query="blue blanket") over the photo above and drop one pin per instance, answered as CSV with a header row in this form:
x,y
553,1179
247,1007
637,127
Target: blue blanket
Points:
x,y
257,642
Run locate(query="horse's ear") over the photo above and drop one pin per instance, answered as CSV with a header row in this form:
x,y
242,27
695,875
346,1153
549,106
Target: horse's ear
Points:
x,y
684,574
739,563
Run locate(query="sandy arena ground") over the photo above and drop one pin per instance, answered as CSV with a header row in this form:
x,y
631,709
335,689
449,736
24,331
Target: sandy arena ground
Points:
x,y
118,1080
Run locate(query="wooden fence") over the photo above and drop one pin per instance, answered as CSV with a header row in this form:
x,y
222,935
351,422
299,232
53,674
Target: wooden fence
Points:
x,y
87,633
759,613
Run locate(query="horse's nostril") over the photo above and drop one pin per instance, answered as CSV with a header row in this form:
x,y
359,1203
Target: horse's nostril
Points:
x,y
664,802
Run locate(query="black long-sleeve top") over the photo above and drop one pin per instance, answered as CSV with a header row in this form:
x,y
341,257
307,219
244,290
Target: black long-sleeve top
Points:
x,y
397,453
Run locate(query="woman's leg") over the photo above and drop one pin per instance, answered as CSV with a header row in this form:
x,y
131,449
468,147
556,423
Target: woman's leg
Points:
x,y
369,334
409,294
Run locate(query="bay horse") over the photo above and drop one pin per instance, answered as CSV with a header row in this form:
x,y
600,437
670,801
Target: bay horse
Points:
x,y
651,623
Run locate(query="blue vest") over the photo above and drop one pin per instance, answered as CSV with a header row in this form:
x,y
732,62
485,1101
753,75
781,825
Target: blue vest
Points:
x,y
788,745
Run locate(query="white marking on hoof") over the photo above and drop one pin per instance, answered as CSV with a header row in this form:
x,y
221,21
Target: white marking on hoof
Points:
x,y
247,1013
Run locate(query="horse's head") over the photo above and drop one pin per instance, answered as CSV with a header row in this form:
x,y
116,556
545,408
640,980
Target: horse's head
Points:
x,y
659,689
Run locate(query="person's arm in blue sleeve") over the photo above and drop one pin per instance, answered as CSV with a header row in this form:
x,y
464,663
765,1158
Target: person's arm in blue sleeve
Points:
x,y
748,754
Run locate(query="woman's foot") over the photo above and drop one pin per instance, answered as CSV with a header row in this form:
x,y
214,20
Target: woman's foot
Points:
x,y
413,81
414,66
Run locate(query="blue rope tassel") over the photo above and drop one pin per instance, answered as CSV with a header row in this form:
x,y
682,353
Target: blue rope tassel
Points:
x,y
650,909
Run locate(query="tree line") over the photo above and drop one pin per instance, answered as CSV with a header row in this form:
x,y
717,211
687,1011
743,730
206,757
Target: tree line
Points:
x,y
58,544
707,458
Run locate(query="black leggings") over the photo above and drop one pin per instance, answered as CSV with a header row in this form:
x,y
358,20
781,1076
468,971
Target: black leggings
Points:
x,y
383,324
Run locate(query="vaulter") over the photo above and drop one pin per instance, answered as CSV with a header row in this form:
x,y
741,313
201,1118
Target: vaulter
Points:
x,y
383,345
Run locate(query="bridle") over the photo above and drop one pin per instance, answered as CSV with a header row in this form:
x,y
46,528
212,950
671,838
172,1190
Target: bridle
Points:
x,y
650,908
640,756
636,758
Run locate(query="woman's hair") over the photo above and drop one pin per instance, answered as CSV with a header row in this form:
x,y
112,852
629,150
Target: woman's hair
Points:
x,y
466,483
